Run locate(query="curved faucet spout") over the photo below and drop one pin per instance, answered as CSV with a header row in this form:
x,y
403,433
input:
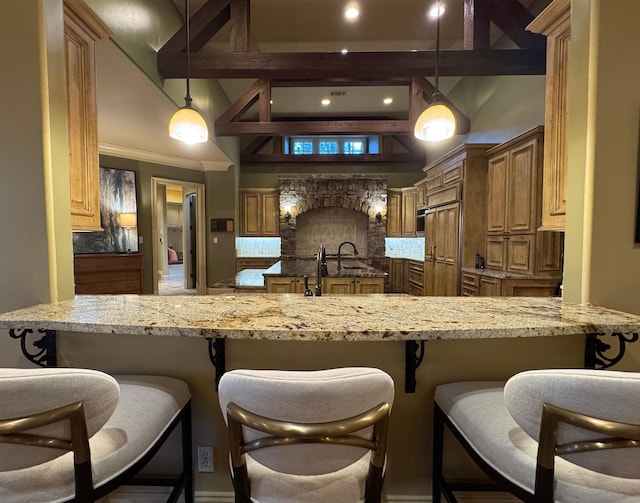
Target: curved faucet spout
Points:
x,y
321,268
355,252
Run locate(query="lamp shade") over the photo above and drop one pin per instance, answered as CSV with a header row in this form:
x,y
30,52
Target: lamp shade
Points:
x,y
188,126
436,123
128,219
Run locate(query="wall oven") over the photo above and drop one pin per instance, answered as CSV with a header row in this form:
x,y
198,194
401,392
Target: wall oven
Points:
x,y
420,220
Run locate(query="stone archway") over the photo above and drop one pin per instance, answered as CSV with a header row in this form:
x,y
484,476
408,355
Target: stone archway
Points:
x,y
299,194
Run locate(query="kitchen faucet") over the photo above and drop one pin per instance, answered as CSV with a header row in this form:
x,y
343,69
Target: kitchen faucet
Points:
x,y
321,268
355,252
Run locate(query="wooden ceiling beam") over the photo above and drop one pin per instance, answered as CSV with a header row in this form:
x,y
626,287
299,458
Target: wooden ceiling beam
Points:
x,y
354,65
401,157
203,25
477,24
314,127
512,18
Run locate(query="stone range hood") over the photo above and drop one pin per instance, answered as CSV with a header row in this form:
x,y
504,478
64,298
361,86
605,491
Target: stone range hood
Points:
x,y
313,193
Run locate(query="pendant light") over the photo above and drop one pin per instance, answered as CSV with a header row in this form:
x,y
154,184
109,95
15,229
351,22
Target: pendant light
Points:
x,y
187,124
437,122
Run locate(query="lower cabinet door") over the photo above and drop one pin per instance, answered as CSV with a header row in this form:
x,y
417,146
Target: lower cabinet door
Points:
x,y
369,285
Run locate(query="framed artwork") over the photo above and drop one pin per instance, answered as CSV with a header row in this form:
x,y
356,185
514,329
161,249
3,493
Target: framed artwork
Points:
x,y
118,216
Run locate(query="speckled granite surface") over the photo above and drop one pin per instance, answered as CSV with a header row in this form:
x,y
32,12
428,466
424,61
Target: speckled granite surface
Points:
x,y
506,275
348,317
303,267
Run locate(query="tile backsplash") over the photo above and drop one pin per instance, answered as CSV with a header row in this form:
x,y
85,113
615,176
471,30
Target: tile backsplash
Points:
x,y
258,247
411,248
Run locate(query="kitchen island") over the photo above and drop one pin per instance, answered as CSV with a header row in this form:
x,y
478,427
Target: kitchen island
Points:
x,y
381,318
354,276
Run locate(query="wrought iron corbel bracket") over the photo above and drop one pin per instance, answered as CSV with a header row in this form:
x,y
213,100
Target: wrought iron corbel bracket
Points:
x,y
595,349
217,355
413,359
44,354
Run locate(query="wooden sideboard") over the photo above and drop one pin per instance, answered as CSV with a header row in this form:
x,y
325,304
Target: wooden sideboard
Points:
x,y
115,273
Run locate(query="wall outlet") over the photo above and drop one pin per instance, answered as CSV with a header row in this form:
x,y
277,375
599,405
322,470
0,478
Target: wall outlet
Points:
x,y
205,459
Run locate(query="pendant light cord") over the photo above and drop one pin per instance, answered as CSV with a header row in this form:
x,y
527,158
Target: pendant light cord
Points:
x,y
436,92
187,98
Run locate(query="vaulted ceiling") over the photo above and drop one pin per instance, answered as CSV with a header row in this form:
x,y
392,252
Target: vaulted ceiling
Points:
x,y
296,47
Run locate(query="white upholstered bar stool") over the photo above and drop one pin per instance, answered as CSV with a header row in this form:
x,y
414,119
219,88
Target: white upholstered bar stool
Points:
x,y
546,435
307,436
78,434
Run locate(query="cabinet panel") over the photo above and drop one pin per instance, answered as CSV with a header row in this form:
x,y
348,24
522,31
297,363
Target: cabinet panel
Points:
x,y
409,198
82,27
259,212
270,214
555,22
397,275
522,178
520,253
276,284
369,285
489,287
496,253
337,285
497,190
394,217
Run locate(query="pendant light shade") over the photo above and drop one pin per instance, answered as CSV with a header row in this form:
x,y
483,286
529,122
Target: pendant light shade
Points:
x,y
437,122
187,125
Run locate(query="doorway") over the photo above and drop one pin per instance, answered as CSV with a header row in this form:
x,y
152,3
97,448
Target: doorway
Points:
x,y
179,237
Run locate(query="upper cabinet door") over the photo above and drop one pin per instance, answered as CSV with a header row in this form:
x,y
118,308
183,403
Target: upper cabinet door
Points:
x,y
555,22
497,194
259,212
81,29
522,193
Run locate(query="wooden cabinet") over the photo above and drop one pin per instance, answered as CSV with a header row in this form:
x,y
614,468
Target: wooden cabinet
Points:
x,y
259,212
174,215
398,275
342,286
285,284
421,193
102,273
482,285
368,285
442,235
333,286
455,220
555,22
82,27
416,274
255,263
401,212
513,242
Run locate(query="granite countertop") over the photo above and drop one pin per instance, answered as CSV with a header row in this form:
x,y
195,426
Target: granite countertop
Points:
x,y
327,318
507,275
299,268
247,279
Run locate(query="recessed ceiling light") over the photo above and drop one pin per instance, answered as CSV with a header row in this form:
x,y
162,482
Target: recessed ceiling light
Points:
x,y
344,51
387,101
325,102
436,11
270,102
352,12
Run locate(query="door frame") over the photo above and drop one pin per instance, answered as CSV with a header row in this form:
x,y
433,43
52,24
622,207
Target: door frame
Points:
x,y
201,242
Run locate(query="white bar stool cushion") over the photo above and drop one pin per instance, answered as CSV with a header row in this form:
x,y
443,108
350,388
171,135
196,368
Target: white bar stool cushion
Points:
x,y
147,405
323,473
28,391
596,393
478,412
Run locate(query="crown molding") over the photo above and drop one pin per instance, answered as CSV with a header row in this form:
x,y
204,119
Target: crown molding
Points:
x,y
164,159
